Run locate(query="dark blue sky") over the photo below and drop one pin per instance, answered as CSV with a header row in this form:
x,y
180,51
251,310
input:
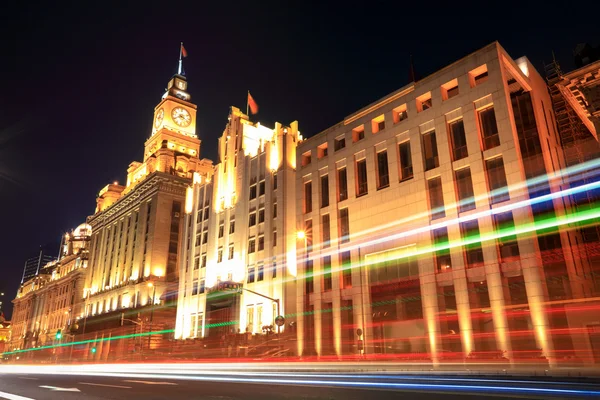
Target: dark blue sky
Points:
x,y
79,83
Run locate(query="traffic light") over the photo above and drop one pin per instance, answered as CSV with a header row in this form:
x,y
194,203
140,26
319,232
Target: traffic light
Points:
x,y
58,334
93,350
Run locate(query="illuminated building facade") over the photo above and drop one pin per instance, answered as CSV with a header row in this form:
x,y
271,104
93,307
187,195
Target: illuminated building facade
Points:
x,y
4,334
136,227
52,300
416,224
239,231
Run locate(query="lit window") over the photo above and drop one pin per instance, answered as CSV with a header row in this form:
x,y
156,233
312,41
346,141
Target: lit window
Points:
x,y
424,102
358,133
306,158
399,113
322,151
478,75
378,124
450,89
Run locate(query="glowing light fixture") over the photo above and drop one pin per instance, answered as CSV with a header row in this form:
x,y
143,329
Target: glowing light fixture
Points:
x,y
301,235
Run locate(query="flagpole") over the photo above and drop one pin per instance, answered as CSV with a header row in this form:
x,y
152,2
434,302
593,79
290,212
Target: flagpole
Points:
x,y
247,102
180,49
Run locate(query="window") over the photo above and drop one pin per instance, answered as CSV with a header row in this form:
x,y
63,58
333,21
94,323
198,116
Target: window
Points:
x,y
473,252
275,181
346,265
383,176
202,287
306,159
406,169
231,227
327,273
308,234
424,102
274,210
339,143
358,133
205,237
261,215
464,189
436,198
195,288
261,273
342,184
230,255
458,140
196,262
198,240
261,188
221,230
251,245
261,243
507,244
274,272
450,89
322,151
220,255
307,197
309,284
478,75
253,192
326,230
274,238
430,151
361,177
203,261
496,178
206,213
344,226
324,191
399,113
250,313
378,124
251,275
442,256
489,128
252,219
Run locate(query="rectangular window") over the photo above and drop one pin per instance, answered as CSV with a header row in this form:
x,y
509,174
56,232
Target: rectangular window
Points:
x,y
261,188
361,177
251,275
322,151
306,158
251,245
358,133
308,234
473,252
345,262
274,271
252,219
507,244
327,281
231,227
430,151
205,236
339,143
253,192
325,228
399,113
344,226
464,189
274,238
275,210
199,217
378,124
309,283
324,191
496,178
406,169
220,255
489,128
307,197
436,198
458,140
195,288
202,287
442,255
275,181
383,176
261,243
203,259
261,215
342,184
261,273
450,89
424,102
197,263
198,240
206,213
221,230
230,255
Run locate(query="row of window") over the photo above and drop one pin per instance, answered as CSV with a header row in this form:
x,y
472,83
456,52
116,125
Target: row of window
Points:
x,y
258,189
327,283
343,227
424,102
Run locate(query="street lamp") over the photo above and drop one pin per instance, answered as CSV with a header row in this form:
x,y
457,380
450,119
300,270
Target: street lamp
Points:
x,y
301,235
153,286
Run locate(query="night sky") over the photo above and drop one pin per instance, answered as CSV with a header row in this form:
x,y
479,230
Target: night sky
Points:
x,y
79,85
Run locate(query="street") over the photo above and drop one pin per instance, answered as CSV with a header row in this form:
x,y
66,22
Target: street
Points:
x,y
181,381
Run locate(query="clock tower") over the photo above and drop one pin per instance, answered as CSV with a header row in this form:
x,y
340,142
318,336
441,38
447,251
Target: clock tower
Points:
x,y
174,124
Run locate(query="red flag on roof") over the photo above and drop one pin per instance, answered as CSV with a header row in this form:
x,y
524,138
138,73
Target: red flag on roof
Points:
x,y
183,51
252,104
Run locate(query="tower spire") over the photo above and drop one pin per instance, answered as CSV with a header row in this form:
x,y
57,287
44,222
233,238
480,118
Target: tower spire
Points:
x,y
180,59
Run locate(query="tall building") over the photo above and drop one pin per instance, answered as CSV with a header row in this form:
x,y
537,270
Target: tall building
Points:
x,y
136,227
421,236
33,265
238,254
52,300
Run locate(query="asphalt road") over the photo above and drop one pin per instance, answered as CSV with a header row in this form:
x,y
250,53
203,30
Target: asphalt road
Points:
x,y
87,385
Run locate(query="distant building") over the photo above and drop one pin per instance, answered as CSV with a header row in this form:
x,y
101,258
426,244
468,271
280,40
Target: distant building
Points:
x,y
33,265
4,334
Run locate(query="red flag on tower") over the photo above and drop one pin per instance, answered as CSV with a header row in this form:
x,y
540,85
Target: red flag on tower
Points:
x,y
183,51
252,104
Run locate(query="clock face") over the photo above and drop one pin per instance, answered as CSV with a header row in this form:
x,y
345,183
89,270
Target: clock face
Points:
x,y
159,117
181,116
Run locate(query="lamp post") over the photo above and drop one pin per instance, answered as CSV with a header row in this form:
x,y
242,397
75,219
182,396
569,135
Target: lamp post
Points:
x,y
153,286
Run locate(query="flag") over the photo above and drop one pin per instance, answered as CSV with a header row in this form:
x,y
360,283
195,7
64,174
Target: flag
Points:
x,y
252,104
183,51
